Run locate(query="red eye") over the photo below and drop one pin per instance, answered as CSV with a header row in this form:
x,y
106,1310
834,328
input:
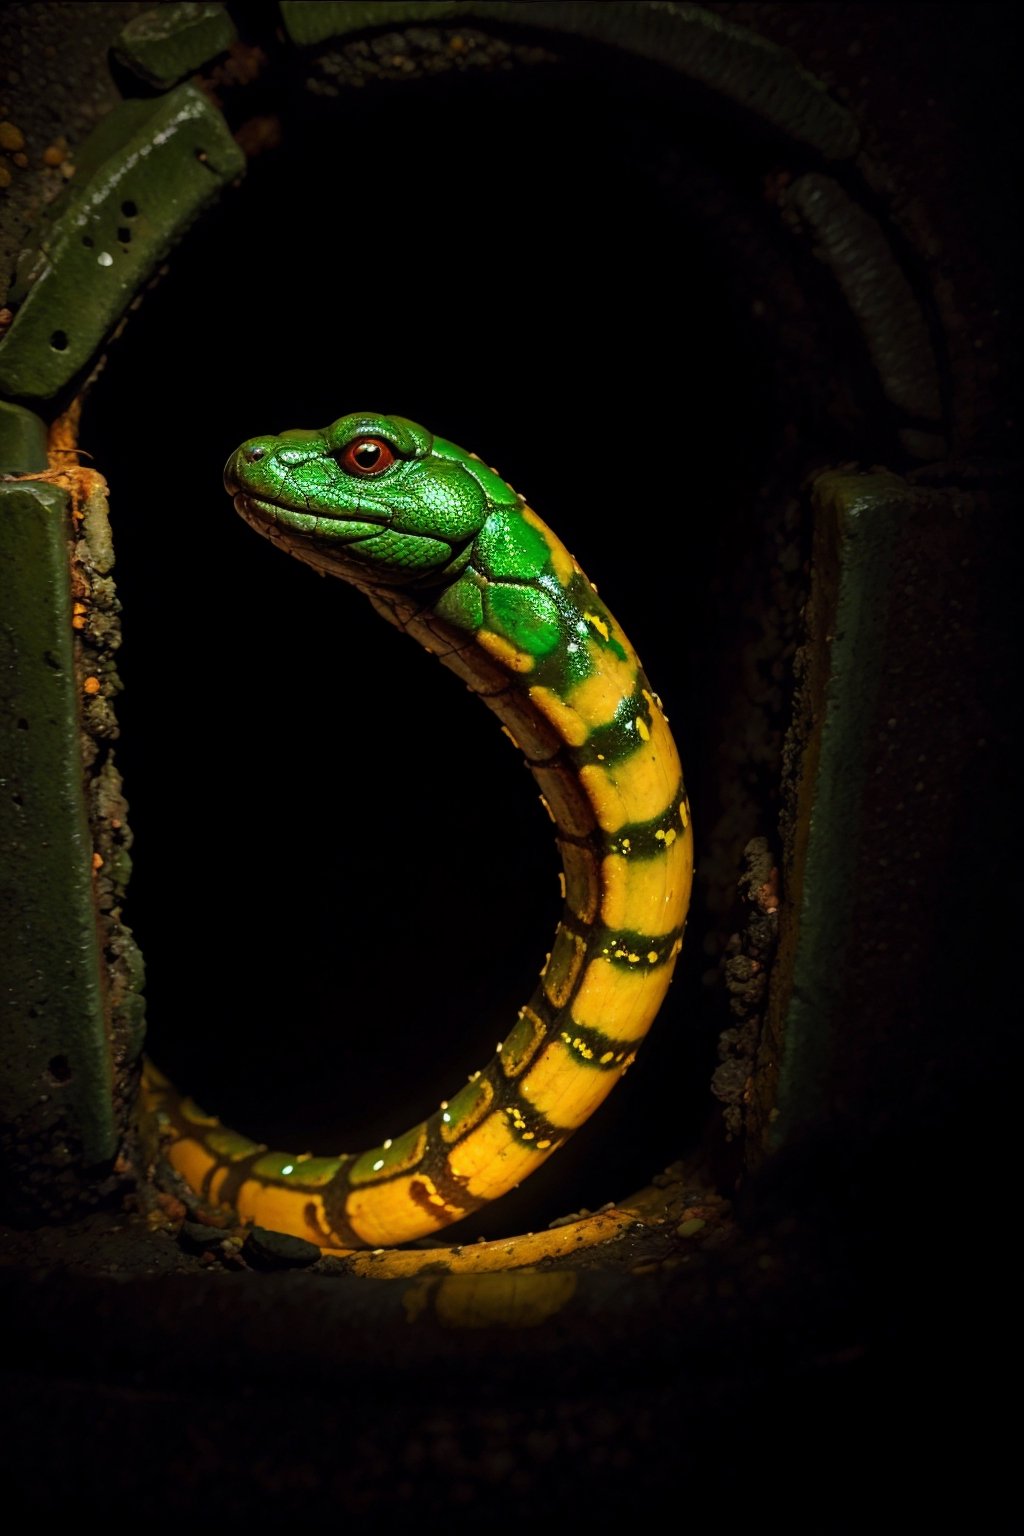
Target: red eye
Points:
x,y
367,456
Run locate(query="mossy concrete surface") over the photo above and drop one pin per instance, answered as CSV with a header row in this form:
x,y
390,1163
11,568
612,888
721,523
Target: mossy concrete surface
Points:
x,y
143,176
164,45
56,1114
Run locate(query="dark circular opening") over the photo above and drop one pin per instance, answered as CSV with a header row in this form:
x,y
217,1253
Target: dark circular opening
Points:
x,y
59,1069
59,341
328,831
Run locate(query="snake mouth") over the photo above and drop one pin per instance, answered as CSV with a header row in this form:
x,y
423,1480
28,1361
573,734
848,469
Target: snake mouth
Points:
x,y
273,518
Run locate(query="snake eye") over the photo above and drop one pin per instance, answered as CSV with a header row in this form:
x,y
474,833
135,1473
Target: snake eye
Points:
x,y
366,456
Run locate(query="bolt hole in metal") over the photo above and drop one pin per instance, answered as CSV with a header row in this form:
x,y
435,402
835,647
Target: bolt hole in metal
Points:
x,y
316,804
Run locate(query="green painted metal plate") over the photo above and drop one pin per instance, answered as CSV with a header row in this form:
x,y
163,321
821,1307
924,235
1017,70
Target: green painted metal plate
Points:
x,y
142,178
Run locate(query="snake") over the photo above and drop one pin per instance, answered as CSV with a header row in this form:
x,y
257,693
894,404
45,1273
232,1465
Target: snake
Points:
x,y
448,552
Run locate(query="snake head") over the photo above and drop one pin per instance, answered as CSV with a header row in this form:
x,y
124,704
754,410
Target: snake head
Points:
x,y
374,499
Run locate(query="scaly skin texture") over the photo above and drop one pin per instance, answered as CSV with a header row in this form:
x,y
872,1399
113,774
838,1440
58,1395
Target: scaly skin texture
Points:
x,y
446,550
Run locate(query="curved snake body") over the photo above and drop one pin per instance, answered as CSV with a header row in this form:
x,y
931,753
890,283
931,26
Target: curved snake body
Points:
x,y
446,550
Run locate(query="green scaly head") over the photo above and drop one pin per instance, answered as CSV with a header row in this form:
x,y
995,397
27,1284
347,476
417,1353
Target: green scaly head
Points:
x,y
374,499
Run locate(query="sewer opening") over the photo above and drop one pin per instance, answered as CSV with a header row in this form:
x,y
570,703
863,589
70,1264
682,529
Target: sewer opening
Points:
x,y
318,809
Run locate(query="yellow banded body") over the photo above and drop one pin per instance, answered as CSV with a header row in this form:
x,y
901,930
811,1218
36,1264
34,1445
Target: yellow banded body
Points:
x,y
596,739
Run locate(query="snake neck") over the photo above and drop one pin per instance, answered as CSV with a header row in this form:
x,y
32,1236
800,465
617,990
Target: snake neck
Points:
x,y
524,628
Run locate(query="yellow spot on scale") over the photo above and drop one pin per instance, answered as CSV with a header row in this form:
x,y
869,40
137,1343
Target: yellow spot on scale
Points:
x,y
597,623
652,955
667,837
566,720
504,652
641,725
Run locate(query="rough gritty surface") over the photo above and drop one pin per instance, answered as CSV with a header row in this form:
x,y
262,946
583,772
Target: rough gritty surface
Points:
x,y
96,620
747,968
424,52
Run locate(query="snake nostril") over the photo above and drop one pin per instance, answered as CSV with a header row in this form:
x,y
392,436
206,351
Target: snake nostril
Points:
x,y
255,452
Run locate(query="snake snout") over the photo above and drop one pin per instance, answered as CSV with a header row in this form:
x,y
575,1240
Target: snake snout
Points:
x,y
252,452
